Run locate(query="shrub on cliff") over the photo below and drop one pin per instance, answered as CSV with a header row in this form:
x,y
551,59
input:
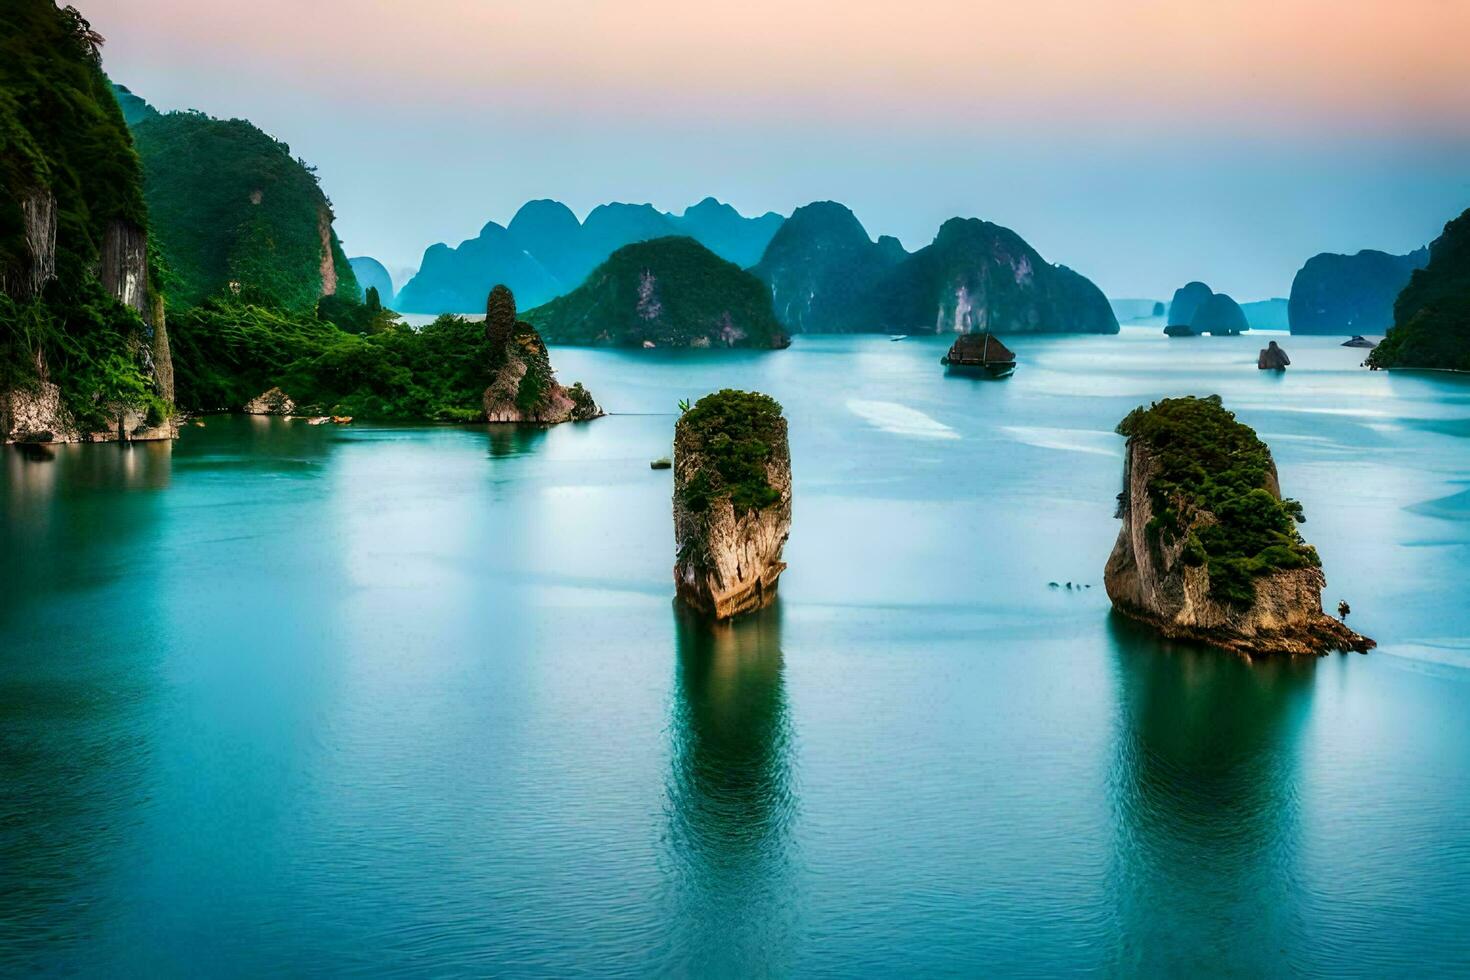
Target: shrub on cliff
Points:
x,y
1210,464
734,432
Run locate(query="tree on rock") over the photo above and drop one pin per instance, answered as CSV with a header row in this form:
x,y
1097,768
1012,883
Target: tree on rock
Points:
x,y
500,318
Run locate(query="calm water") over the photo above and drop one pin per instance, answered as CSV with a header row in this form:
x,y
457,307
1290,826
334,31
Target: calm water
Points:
x,y
330,700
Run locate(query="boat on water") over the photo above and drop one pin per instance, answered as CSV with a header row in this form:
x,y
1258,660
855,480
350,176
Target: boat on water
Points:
x,y
1358,340
980,354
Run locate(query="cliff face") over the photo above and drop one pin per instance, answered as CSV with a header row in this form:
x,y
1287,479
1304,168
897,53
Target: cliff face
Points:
x,y
525,388
1350,294
978,276
1154,580
235,213
95,363
821,267
730,526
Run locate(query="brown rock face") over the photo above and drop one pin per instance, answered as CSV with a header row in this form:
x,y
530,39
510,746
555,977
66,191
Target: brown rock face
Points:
x,y
728,561
273,402
525,388
328,266
1150,581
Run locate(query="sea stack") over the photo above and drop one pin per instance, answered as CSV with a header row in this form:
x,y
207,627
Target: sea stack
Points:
x,y
1209,550
1272,358
524,388
732,502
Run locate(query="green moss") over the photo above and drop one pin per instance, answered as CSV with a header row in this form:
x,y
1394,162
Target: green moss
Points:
x,y
736,433
1209,462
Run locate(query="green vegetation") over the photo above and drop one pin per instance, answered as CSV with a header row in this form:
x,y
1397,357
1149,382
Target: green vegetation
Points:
x,y
1213,486
1432,315
672,292
226,353
62,132
735,433
235,214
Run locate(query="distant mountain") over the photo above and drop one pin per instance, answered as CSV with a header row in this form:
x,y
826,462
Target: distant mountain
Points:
x,y
821,267
1136,309
545,252
549,231
1350,294
134,108
1220,316
1198,306
1432,315
1266,314
977,275
728,233
371,272
236,213
454,280
669,292
1186,302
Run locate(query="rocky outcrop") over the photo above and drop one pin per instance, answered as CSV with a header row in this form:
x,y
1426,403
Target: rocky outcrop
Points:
x,y
525,388
821,267
328,265
1350,294
1272,358
977,276
1187,300
124,266
272,402
1431,317
1160,570
732,502
34,414
1197,306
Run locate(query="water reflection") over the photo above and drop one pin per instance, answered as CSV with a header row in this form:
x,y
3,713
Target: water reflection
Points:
x,y
514,440
731,799
1205,787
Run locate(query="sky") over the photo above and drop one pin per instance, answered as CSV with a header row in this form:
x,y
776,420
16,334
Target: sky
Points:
x,y
1142,143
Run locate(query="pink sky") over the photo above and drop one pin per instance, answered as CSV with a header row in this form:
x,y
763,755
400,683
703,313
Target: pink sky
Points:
x,y
1346,121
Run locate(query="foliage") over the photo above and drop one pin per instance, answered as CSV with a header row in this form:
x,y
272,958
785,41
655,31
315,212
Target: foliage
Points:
x,y
1213,486
231,205
500,316
1432,314
61,132
226,353
734,433
668,291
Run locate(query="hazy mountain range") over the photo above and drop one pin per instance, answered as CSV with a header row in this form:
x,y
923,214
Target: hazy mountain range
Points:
x,y
546,252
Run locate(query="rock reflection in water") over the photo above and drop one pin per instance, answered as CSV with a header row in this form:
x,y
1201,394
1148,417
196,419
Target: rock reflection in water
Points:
x,y
1205,787
731,799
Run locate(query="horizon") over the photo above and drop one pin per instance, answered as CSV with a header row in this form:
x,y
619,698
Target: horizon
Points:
x,y
1259,152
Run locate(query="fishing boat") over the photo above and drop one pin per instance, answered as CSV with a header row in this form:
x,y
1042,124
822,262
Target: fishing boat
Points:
x,y
980,354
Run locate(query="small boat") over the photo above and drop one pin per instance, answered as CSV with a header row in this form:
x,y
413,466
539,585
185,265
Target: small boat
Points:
x,y
1358,340
319,420
341,419
662,463
1179,330
897,337
980,353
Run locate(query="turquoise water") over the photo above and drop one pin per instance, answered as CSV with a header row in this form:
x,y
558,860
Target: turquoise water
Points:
x,y
321,700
